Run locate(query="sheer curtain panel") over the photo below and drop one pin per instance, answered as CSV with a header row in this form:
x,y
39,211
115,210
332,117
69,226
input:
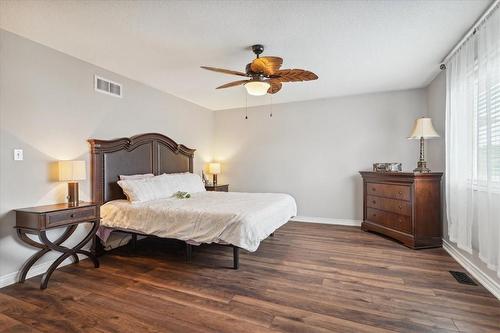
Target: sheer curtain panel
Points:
x,y
473,143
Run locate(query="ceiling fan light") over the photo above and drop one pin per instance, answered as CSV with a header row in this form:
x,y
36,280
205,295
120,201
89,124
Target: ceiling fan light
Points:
x,y
257,88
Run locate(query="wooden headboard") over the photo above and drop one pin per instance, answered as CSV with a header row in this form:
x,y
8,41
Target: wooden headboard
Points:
x,y
145,153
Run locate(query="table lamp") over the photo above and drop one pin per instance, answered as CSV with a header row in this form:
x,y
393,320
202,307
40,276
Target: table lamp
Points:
x,y
72,172
423,129
214,169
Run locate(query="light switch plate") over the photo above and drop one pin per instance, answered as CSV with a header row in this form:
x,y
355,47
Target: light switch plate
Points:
x,y
18,155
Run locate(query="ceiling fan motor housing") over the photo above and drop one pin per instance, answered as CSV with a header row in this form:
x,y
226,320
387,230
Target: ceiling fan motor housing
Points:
x,y
252,74
257,49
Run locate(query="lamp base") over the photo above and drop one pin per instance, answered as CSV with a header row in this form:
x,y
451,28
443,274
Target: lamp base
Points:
x,y
73,199
214,179
421,167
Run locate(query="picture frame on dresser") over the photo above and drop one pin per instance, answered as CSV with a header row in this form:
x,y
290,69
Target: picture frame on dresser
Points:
x,y
405,206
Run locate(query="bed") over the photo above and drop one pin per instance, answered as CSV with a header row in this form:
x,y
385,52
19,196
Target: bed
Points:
x,y
239,220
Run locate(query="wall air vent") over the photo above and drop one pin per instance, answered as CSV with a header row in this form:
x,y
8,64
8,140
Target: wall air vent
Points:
x,y
108,87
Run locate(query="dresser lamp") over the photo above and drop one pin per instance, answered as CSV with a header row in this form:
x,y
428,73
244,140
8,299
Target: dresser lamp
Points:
x,y
422,130
72,172
214,169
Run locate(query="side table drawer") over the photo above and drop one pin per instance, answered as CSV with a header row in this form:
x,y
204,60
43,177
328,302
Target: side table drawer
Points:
x,y
69,216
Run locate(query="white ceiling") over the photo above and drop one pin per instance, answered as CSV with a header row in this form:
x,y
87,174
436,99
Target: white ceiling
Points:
x,y
353,46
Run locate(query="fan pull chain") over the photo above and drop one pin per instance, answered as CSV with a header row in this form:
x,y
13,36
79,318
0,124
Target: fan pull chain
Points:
x,y
246,105
271,114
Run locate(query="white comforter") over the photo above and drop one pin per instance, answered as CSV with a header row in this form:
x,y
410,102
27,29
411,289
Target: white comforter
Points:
x,y
241,219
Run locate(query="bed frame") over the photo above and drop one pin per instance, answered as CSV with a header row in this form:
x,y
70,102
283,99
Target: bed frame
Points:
x,y
145,153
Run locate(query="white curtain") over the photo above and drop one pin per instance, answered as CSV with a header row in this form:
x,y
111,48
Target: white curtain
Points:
x,y
473,143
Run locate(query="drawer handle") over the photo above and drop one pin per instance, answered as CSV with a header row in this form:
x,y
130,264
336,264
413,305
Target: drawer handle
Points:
x,y
400,220
373,189
374,202
400,207
400,193
72,215
374,215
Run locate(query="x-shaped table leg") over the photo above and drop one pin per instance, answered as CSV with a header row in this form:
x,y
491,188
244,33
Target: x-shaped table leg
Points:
x,y
44,249
67,252
46,246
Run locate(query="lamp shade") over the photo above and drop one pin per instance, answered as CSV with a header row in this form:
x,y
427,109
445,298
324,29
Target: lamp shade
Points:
x,y
72,170
423,129
257,88
214,168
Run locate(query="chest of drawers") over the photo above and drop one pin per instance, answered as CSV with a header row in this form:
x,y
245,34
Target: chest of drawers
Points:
x,y
405,206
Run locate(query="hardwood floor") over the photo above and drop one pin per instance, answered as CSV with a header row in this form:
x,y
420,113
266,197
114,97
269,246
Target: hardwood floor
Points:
x,y
308,278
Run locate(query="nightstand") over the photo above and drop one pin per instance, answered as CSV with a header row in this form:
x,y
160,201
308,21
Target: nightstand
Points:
x,y
37,220
217,188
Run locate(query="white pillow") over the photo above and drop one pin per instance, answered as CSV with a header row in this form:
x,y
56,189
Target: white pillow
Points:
x,y
138,176
146,189
185,182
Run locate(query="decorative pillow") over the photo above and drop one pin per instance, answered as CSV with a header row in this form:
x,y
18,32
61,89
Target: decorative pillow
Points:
x,y
138,176
184,182
146,189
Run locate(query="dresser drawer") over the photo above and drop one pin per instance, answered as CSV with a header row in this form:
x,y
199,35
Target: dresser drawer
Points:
x,y
390,220
401,192
70,216
390,205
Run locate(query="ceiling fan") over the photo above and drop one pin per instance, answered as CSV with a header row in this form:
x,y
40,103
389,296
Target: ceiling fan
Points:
x,y
265,74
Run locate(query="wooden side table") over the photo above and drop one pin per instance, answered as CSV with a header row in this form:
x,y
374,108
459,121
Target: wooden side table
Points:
x,y
37,220
217,188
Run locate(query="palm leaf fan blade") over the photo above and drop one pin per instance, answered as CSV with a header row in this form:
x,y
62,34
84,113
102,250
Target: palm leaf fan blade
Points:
x,y
232,84
295,75
275,86
224,71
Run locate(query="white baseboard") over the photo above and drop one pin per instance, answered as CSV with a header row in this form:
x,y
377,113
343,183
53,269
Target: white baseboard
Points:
x,y
490,284
325,220
35,270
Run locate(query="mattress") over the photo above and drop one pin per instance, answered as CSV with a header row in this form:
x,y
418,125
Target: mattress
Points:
x,y
240,219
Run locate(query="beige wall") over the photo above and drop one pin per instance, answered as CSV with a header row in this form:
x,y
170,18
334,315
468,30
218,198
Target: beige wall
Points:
x,y
436,106
48,108
314,149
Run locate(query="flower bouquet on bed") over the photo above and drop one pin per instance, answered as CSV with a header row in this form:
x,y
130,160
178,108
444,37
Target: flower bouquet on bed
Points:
x,y
182,195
